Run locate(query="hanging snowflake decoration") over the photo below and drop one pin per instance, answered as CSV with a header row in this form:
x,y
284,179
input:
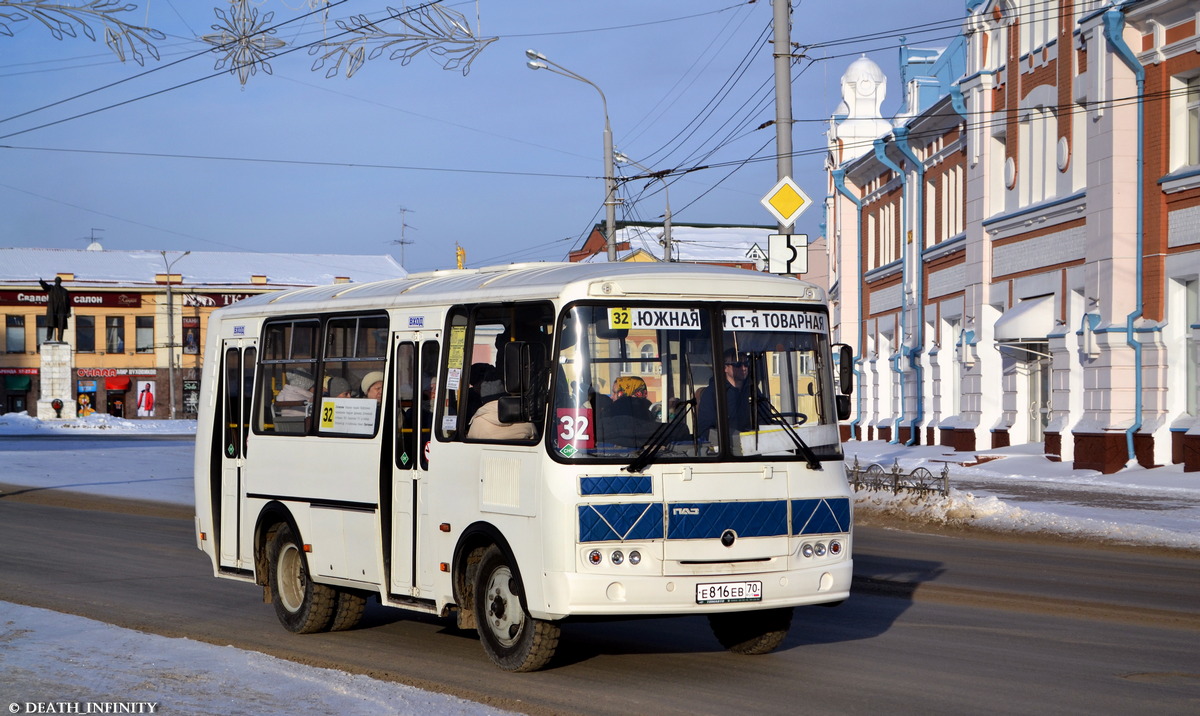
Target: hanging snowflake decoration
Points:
x,y
443,33
61,19
244,39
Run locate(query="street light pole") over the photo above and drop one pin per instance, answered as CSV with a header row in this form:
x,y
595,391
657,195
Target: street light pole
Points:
x,y
666,238
538,61
171,332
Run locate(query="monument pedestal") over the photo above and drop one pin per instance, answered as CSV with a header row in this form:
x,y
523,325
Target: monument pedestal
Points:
x,y
56,381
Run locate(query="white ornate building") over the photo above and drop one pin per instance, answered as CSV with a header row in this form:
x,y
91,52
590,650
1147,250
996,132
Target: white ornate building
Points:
x,y
1015,257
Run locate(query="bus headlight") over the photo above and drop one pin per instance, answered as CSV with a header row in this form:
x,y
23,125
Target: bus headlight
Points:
x,y
635,557
807,550
618,557
820,549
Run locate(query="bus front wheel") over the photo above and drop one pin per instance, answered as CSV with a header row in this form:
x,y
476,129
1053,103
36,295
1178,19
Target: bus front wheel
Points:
x,y
514,640
758,632
302,605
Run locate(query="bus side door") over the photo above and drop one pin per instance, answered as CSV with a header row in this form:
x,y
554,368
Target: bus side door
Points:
x,y
416,363
237,382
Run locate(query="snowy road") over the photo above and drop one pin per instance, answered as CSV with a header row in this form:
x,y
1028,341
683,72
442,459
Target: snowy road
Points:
x,y
40,655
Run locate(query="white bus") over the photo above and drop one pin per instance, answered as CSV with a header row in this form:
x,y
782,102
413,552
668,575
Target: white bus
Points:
x,y
520,445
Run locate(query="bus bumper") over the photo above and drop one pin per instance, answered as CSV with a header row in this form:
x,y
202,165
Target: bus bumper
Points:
x,y
578,594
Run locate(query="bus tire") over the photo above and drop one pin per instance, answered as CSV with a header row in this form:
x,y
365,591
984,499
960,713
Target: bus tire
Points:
x,y
348,610
513,639
751,633
302,605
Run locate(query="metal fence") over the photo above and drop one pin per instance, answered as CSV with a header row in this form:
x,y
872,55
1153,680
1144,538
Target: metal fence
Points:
x,y
875,477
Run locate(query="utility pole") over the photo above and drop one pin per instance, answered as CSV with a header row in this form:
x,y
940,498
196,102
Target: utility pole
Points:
x,y
403,241
171,331
782,24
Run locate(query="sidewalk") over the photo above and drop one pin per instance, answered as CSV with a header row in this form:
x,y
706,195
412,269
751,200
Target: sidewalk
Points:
x,y
1018,489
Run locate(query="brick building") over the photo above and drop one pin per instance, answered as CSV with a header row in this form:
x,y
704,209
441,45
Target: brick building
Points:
x,y
1016,255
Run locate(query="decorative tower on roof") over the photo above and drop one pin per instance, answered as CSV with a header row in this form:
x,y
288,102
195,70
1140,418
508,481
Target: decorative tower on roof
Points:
x,y
858,120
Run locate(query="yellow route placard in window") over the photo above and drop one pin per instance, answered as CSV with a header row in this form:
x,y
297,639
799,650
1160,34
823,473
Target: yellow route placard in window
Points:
x,y
354,416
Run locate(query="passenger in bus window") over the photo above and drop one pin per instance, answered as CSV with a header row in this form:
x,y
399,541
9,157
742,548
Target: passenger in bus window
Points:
x,y
625,418
486,425
337,387
474,394
372,385
737,396
297,389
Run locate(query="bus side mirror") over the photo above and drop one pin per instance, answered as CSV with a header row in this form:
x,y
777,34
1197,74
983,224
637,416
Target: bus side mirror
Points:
x,y
522,363
843,406
845,371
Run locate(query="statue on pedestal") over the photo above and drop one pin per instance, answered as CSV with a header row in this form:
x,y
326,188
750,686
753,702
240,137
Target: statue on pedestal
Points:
x,y
58,309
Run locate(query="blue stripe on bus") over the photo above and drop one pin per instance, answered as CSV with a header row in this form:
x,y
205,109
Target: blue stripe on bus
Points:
x,y
630,521
708,520
616,485
820,516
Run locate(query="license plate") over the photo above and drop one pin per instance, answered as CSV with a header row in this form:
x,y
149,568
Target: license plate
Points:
x,y
722,592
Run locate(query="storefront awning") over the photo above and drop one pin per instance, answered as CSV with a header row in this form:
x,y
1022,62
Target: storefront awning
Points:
x,y
17,383
120,382
1031,320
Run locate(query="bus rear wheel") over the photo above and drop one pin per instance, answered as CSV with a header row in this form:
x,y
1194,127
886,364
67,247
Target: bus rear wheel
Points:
x,y
513,639
348,610
751,633
302,605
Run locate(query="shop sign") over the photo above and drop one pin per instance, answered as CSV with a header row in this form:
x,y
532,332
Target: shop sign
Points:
x,y
212,300
79,299
114,372
18,371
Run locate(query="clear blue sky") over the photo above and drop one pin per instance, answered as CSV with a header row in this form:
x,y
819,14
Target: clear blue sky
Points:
x,y
505,161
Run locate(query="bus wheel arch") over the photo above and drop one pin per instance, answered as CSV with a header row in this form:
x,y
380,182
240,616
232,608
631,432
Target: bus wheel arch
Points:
x,y
468,552
270,518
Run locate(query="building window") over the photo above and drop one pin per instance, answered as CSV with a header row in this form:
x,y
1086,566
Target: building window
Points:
x,y
649,362
1184,122
14,334
145,334
114,334
1037,25
1037,171
85,334
1193,121
43,333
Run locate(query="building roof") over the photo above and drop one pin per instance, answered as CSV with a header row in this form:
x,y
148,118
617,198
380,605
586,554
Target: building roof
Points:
x,y
19,266
700,243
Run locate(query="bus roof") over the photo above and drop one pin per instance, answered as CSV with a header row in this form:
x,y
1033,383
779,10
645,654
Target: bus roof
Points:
x,y
529,281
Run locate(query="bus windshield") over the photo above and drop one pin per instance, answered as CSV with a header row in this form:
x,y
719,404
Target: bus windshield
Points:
x,y
713,382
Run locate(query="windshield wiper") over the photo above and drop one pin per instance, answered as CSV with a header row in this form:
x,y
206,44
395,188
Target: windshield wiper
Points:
x,y
659,438
805,451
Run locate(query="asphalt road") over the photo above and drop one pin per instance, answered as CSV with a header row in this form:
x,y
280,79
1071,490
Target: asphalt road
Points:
x,y
944,623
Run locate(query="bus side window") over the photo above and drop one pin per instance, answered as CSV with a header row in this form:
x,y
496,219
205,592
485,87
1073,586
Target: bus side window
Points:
x,y
406,406
288,377
426,395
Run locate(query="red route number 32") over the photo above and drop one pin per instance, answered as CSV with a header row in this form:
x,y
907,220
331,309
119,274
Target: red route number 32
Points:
x,y
575,428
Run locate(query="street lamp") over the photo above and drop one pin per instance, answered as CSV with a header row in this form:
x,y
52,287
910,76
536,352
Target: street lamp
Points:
x,y
171,332
666,237
538,61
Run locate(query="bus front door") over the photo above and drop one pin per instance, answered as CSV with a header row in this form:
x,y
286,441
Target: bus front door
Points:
x,y
237,379
416,371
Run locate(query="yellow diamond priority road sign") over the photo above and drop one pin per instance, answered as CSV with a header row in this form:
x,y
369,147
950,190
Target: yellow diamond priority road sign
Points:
x,y
786,201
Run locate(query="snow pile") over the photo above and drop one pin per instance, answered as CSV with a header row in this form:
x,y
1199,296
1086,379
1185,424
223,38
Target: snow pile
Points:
x,y
22,424
1020,490
44,652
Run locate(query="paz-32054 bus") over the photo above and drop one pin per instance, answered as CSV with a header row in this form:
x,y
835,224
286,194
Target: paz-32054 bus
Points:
x,y
516,446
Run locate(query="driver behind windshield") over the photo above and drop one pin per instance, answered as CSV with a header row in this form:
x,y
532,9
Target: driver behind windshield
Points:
x,y
738,393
